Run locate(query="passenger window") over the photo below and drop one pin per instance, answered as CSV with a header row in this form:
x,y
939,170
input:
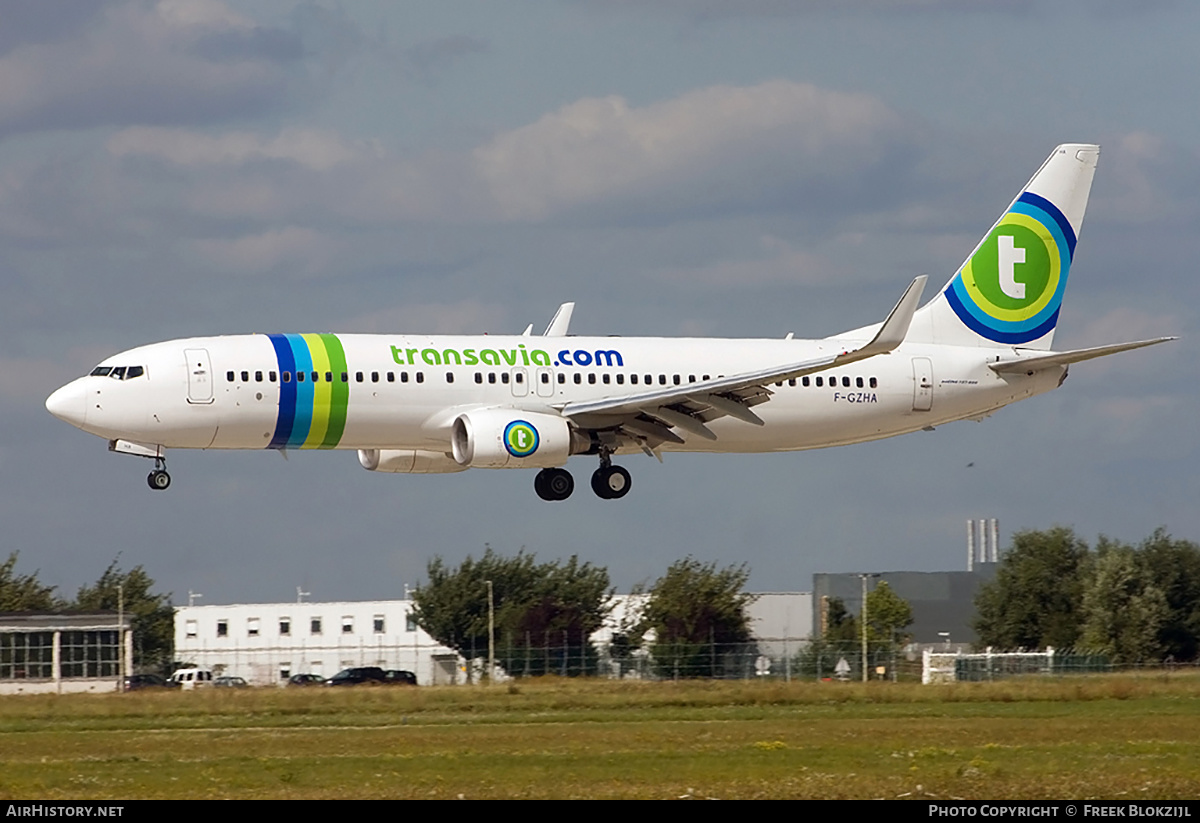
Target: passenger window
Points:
x,y
358,376
271,376
592,378
691,378
804,381
328,377
420,377
449,377
478,377
874,383
649,379
633,379
662,380
287,377
820,382
705,377
620,380
245,377
545,377
504,377
578,378
391,377
606,379
845,382
491,377
317,377
562,378
228,375
519,377
299,377
374,377
792,382
345,377
858,381
258,377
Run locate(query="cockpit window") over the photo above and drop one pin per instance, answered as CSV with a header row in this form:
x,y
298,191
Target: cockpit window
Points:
x,y
119,372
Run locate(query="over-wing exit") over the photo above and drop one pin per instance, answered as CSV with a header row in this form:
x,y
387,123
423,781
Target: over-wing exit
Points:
x,y
433,404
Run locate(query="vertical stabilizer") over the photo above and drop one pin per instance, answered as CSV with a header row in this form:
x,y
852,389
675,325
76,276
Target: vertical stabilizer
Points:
x,y
1010,289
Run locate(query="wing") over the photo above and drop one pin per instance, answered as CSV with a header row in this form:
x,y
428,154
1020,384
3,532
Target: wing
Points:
x,y
650,415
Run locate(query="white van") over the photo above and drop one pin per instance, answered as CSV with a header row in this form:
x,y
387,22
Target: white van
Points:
x,y
192,678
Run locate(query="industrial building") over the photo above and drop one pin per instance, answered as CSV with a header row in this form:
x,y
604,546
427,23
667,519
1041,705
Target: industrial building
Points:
x,y
64,653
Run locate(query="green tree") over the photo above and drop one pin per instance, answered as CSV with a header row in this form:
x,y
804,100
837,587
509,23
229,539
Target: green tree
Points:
x,y
1036,599
888,615
152,614
545,613
698,615
24,593
1124,612
1174,568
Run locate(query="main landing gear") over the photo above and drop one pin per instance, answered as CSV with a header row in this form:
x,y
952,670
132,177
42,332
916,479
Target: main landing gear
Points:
x,y
158,479
609,482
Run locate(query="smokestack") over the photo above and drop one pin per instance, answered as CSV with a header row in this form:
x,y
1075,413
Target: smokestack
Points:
x,y
970,545
995,556
983,530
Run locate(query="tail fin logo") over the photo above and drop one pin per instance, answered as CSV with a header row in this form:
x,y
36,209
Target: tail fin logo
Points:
x,y
1011,289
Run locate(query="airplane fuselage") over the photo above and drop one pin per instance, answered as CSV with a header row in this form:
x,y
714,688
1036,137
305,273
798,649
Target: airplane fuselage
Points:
x,y
402,392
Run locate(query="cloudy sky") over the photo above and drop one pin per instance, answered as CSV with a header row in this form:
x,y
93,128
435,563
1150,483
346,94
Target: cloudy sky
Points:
x,y
195,167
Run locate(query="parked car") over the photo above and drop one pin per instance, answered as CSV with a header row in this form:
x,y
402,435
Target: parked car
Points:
x,y
357,676
231,683
192,678
137,682
400,677
306,680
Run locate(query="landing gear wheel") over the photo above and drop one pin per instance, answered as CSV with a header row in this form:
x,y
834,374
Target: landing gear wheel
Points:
x,y
158,480
554,484
611,482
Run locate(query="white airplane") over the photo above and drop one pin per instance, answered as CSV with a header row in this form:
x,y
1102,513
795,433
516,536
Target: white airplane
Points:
x,y
421,404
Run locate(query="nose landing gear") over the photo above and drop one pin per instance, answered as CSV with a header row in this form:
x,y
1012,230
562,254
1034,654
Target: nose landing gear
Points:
x,y
158,479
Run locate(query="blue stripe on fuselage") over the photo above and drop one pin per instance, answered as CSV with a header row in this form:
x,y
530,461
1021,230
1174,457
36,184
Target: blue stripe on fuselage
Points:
x,y
287,392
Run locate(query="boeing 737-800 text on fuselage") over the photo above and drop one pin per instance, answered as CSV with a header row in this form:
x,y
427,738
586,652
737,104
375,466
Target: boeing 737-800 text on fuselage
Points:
x,y
422,404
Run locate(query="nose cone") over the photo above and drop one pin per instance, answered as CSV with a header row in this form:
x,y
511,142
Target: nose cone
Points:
x,y
69,403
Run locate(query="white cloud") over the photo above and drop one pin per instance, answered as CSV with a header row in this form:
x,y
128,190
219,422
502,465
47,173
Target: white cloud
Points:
x,y
599,148
310,148
462,317
177,61
302,251
781,263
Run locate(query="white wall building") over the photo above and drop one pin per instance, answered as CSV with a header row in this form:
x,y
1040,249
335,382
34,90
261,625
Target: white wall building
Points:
x,y
267,643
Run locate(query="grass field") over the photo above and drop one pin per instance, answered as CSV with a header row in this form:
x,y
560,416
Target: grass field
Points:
x,y
1080,737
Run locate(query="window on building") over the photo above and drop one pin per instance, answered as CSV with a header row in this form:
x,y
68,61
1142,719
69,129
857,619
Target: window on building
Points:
x,y
379,624
314,625
347,625
222,628
285,671
252,627
285,626
410,622
190,628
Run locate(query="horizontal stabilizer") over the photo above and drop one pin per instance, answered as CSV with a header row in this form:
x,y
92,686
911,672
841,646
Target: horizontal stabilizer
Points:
x,y
1045,361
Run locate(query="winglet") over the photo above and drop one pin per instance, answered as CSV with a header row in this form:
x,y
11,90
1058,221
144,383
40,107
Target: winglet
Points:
x,y
895,328
560,322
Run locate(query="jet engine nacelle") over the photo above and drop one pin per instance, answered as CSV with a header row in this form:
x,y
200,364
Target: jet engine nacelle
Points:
x,y
408,461
510,439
